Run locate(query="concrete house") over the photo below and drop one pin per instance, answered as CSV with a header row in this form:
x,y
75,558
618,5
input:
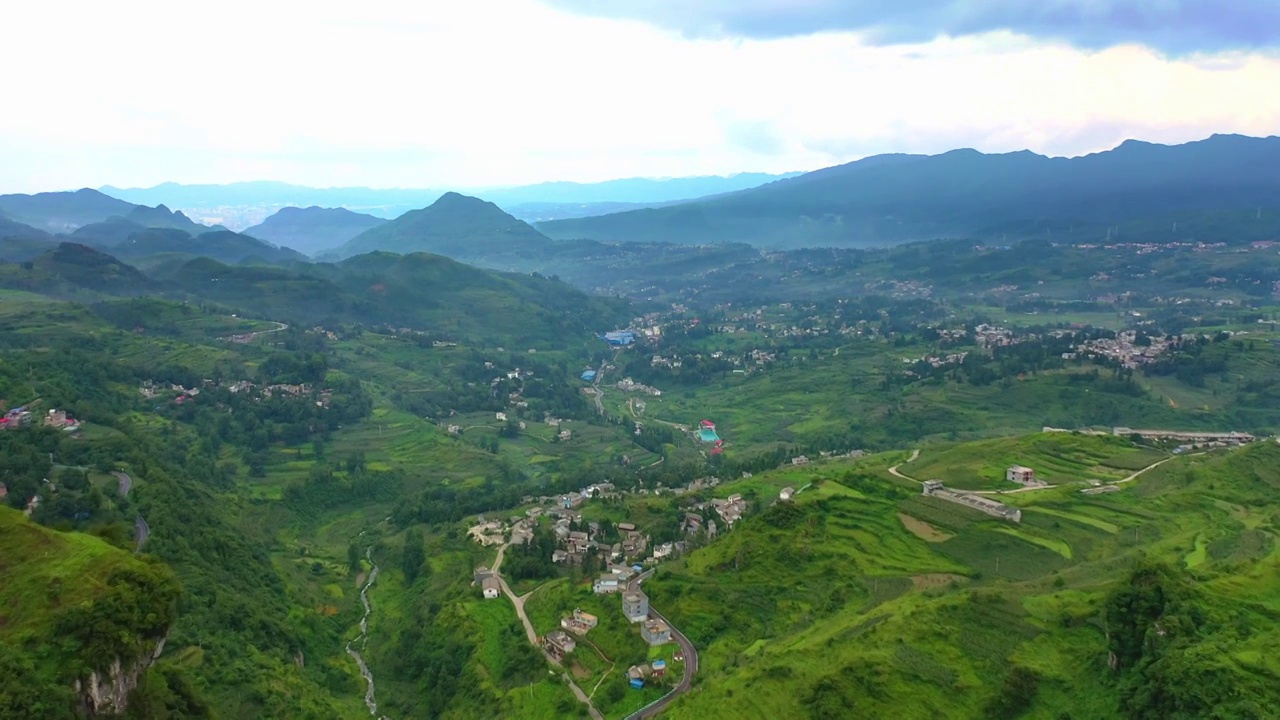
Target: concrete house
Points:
x,y
490,587
1021,475
557,643
606,584
656,632
635,605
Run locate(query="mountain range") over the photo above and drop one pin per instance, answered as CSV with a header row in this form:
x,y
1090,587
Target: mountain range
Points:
x,y
543,200
1225,187
33,224
889,199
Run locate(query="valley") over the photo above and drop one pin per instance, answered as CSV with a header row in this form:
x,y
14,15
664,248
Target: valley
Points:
x,y
951,478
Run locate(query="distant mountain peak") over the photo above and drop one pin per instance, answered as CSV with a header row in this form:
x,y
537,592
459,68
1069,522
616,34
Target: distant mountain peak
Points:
x,y
313,230
455,225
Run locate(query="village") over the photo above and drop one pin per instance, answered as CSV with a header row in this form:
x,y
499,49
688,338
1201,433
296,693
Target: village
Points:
x,y
627,561
180,395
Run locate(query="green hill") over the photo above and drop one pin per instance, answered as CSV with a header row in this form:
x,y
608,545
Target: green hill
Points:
x,y
19,242
69,269
456,226
72,606
425,292
965,193
313,230
221,245
108,233
864,599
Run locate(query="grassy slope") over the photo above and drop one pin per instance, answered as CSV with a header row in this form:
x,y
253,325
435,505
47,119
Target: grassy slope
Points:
x,y
1057,458
846,609
34,559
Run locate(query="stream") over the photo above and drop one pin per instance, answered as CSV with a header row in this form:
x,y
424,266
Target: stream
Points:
x,y
363,638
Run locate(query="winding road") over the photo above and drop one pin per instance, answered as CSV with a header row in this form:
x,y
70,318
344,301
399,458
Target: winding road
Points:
x,y
259,333
125,483
686,647
894,470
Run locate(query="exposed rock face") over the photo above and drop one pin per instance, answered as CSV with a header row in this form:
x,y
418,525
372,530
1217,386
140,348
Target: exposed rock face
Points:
x,y
106,693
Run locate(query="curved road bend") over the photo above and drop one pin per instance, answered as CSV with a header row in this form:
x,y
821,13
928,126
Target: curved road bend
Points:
x,y
125,483
894,470
686,647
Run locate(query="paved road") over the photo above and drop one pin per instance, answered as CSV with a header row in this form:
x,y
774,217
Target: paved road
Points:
x,y
126,483
690,659
141,532
259,333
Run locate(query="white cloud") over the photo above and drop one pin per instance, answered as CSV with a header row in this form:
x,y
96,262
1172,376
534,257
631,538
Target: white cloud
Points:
x,y
510,91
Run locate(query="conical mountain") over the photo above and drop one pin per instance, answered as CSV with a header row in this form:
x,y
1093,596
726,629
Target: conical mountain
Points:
x,y
456,226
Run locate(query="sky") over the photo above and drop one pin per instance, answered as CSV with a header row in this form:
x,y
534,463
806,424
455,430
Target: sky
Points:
x,y
404,93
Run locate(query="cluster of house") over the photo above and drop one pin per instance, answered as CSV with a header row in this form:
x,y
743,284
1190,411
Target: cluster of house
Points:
x,y
637,674
937,360
559,643
1190,440
989,336
150,389
1123,348
899,289
635,606
629,385
488,532
935,488
730,509
22,416
693,524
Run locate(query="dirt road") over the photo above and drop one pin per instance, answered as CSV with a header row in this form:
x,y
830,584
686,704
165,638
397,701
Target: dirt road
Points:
x,y
518,602
894,470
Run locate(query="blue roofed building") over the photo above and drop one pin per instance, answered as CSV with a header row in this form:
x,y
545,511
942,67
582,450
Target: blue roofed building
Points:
x,y
589,375
620,337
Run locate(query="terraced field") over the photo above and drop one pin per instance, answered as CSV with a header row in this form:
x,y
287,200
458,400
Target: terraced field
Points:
x,y
1057,458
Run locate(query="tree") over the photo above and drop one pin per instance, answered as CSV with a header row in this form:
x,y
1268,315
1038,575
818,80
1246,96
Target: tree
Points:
x,y
413,556
353,557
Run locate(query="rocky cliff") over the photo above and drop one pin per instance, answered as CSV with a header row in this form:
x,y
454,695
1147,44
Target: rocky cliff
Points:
x,y
106,693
